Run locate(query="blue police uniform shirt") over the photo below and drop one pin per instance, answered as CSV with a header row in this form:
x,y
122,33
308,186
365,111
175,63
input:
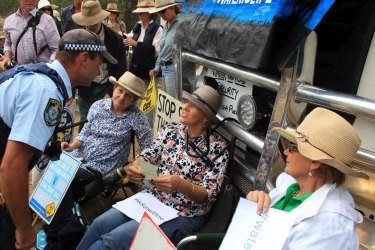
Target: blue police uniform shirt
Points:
x,y
30,105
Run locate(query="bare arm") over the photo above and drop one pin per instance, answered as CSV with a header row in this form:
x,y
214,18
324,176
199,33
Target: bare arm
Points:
x,y
14,178
70,147
172,183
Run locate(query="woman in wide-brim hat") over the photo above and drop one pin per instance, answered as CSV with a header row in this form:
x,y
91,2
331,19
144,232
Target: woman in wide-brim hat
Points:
x,y
169,11
318,157
186,180
106,138
112,21
144,39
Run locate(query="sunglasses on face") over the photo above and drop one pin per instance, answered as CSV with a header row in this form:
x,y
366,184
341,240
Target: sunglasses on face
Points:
x,y
163,11
46,9
292,147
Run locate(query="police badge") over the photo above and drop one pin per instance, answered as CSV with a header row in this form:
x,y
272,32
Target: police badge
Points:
x,y
52,113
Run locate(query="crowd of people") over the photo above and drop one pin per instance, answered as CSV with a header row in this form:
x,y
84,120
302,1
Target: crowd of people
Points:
x,y
84,51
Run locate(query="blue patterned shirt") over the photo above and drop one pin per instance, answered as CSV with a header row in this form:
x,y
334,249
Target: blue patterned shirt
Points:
x,y
168,152
107,138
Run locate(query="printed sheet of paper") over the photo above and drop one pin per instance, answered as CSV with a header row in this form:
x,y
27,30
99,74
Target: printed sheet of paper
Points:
x,y
251,231
52,187
150,236
149,170
136,205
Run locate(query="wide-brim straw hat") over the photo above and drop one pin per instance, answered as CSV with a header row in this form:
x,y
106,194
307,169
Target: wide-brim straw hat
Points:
x,y
326,137
206,99
57,15
91,13
112,7
144,6
163,4
132,83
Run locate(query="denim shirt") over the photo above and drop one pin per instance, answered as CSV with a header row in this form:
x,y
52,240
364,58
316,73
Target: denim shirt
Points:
x,y
166,44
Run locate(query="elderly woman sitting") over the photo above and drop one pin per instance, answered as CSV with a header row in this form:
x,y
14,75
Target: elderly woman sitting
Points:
x,y
185,181
105,140
317,160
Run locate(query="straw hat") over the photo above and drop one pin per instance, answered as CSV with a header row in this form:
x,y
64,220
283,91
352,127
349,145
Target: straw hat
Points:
x,y
81,40
2,36
206,99
163,4
43,4
57,15
112,7
144,6
91,13
326,137
131,82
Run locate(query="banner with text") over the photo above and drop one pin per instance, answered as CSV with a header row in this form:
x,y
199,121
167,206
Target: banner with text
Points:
x,y
248,230
168,110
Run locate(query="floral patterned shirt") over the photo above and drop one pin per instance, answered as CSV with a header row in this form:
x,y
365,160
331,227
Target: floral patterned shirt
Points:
x,y
107,138
168,152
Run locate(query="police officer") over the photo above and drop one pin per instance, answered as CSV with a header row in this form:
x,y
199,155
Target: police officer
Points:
x,y
30,109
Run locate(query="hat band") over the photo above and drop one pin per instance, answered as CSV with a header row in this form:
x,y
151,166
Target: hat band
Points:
x,y
83,47
305,138
145,5
204,102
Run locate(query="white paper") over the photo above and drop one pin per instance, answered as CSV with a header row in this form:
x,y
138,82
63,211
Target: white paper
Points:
x,y
150,236
135,205
248,230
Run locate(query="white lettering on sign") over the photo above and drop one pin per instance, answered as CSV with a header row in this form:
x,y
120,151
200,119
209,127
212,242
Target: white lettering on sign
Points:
x,y
168,110
242,1
231,88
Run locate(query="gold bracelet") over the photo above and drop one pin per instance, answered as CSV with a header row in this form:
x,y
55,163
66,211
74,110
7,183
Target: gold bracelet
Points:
x,y
192,188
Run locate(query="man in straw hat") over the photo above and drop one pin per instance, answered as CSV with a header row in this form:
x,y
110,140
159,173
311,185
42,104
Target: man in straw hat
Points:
x,y
145,40
39,43
168,10
186,181
112,21
30,108
91,16
318,157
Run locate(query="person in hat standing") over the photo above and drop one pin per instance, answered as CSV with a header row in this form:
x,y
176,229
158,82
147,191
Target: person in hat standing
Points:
x,y
59,24
30,108
34,45
168,10
105,140
46,7
91,17
68,12
318,155
186,181
145,40
112,20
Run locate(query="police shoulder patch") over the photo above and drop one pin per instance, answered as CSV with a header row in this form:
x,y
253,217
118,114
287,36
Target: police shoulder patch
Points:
x,y
52,112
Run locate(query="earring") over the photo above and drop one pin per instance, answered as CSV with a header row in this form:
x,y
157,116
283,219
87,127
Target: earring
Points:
x,y
310,173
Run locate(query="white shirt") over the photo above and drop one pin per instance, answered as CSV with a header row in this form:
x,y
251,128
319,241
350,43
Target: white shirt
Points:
x,y
157,37
325,220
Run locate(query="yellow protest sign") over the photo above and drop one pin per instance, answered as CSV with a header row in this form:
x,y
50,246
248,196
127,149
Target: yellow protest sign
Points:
x,y
149,103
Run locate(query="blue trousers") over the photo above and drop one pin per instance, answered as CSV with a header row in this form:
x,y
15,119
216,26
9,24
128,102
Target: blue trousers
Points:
x,y
115,230
168,77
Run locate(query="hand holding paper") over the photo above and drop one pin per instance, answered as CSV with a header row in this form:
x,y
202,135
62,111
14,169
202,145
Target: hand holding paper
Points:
x,y
148,170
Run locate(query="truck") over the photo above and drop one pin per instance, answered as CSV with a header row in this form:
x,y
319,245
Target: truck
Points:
x,y
331,65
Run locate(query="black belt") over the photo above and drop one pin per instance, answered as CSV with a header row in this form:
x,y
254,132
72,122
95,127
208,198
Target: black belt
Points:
x,y
166,63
